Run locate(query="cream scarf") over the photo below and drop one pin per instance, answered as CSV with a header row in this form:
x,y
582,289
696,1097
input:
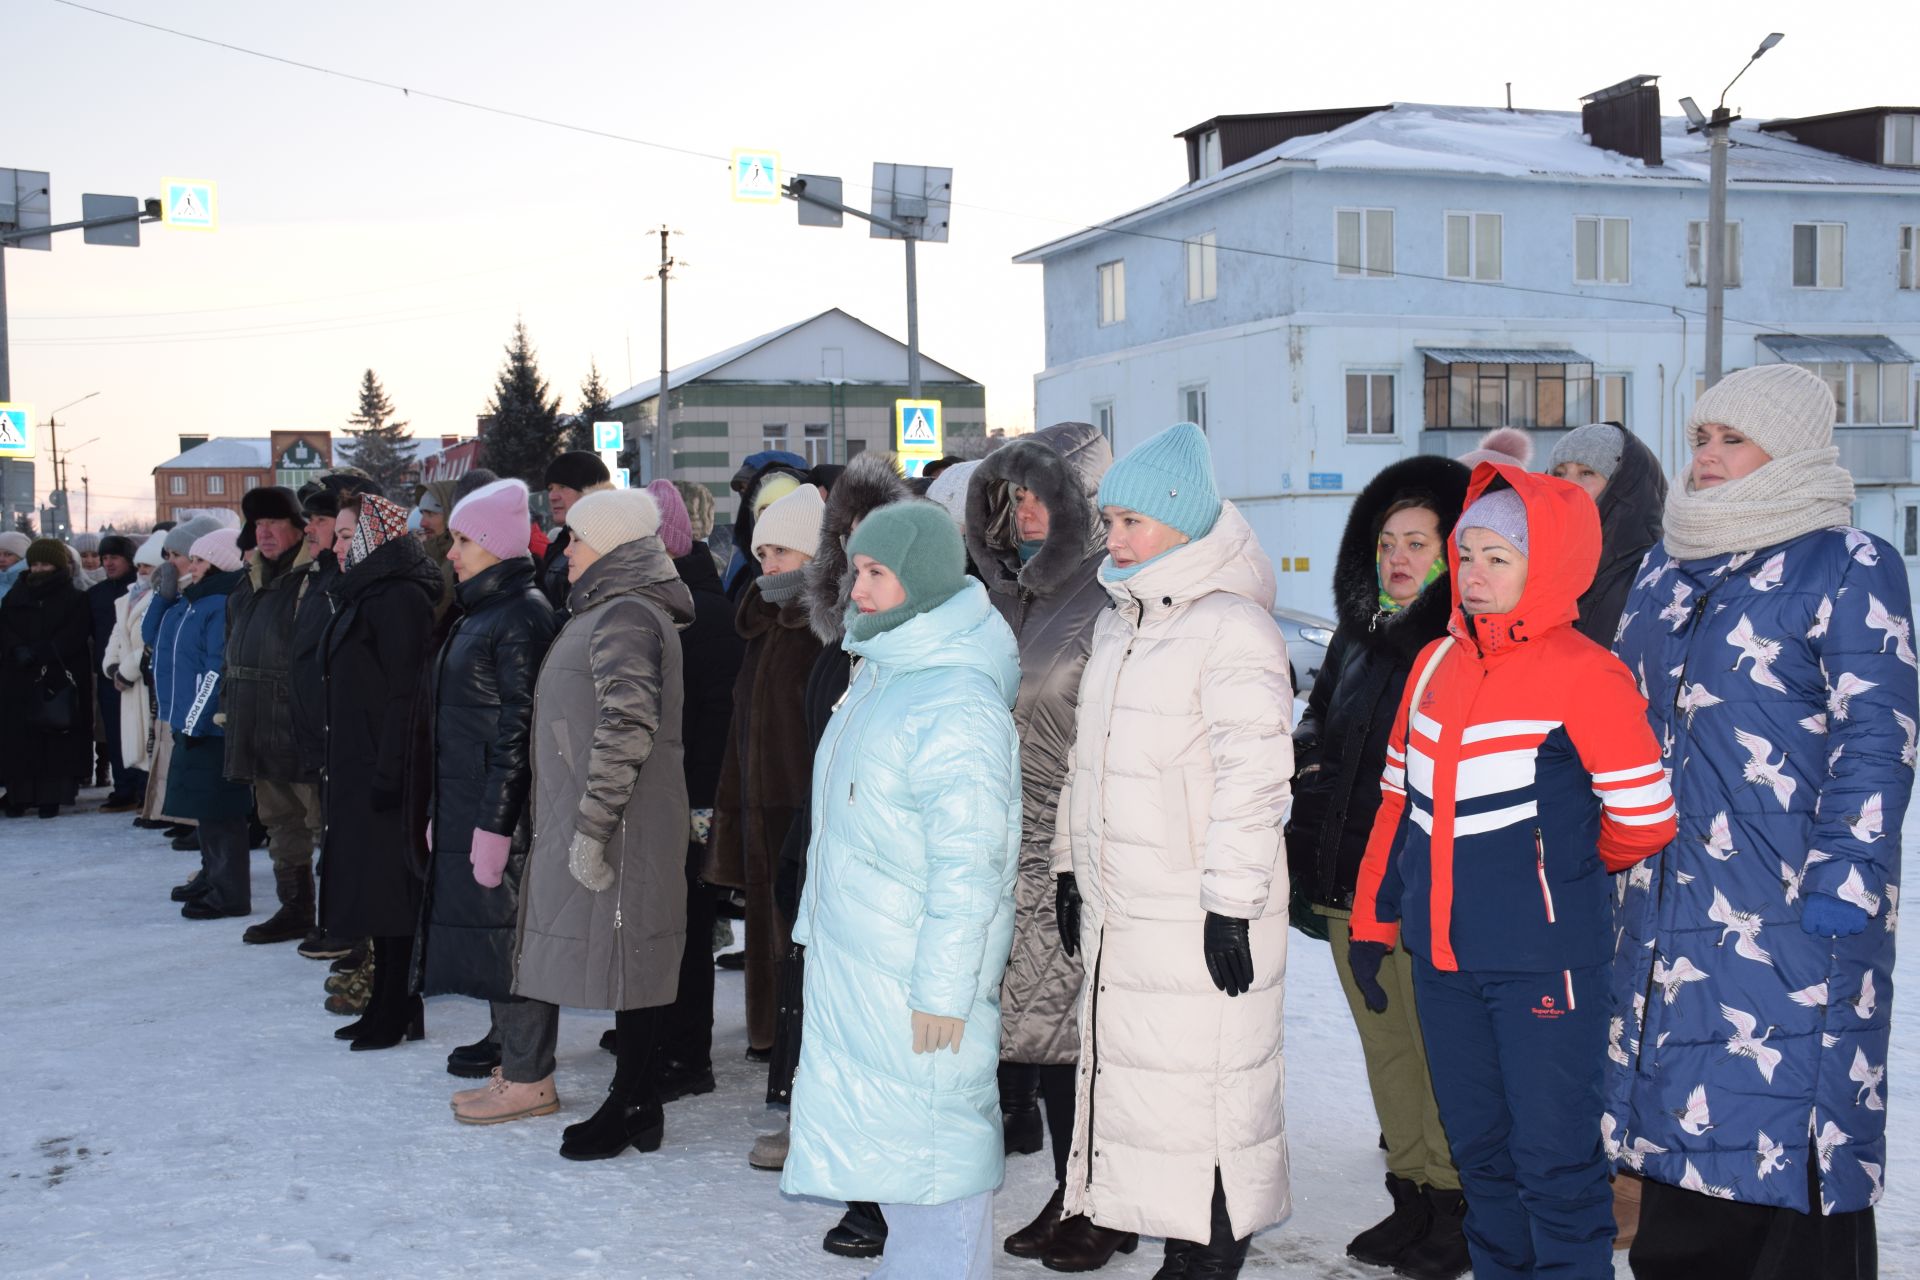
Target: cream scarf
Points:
x,y
1780,501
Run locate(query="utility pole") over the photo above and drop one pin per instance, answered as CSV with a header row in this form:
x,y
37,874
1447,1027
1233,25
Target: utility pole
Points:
x,y
86,500
1716,127
662,434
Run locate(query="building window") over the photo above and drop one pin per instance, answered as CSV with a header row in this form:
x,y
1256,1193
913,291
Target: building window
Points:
x,y
1193,405
253,482
216,484
1369,404
1910,532
819,443
1509,395
1697,256
1819,255
855,448
1473,246
1868,395
1113,292
1202,271
773,435
177,486
1207,152
1902,146
1600,251
1103,418
1363,242
1611,388
1910,257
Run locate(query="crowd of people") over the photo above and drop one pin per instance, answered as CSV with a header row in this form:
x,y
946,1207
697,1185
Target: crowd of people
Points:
x,y
1596,800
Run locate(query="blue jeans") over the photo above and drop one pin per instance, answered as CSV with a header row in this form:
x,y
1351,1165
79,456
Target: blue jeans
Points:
x,y
951,1241
1518,1061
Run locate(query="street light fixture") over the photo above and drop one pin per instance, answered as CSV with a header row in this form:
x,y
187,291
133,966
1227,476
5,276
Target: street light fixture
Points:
x,y
1716,128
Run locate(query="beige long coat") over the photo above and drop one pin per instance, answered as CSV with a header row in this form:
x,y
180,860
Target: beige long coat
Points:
x,y
1175,797
605,742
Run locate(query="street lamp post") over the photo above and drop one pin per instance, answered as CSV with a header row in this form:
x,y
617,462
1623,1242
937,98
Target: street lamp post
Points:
x,y
1716,128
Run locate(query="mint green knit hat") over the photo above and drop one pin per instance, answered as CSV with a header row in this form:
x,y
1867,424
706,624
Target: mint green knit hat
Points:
x,y
917,541
1168,477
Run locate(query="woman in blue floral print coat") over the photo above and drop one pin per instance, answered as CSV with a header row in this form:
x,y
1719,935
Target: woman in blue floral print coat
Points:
x,y
1752,985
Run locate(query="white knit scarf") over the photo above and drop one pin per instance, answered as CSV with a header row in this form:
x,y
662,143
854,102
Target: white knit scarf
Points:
x,y
1783,499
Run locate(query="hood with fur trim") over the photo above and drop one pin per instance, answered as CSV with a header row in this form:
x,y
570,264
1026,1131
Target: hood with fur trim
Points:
x,y
1062,465
869,482
1356,580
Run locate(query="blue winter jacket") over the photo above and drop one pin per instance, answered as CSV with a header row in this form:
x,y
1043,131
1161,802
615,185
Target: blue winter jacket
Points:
x,y
1782,686
909,906
160,629
198,654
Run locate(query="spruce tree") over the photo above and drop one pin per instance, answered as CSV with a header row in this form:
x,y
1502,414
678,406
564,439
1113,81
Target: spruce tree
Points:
x,y
377,447
594,407
526,434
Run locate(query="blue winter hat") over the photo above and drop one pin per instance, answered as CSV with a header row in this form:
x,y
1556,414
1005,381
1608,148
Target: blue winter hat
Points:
x,y
1170,478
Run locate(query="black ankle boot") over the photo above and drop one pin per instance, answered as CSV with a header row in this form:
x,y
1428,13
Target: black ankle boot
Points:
x,y
1442,1253
1385,1242
1021,1123
1222,1256
621,1122
392,1015
860,1233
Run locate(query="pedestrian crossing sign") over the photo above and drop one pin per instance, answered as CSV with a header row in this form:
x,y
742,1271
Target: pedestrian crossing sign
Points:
x,y
190,204
756,176
16,430
917,431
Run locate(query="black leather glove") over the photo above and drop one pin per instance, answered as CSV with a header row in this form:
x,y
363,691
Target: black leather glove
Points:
x,y
384,800
1364,959
1229,956
1066,911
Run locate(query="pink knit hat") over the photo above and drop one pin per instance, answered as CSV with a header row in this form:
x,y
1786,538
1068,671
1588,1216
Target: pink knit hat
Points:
x,y
495,516
221,549
676,527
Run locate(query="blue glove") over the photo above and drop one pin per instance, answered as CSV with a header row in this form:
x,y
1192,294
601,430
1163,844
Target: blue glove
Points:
x,y
1364,959
1825,916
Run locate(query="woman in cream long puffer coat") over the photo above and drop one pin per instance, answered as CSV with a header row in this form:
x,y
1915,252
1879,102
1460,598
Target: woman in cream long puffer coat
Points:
x,y
1169,841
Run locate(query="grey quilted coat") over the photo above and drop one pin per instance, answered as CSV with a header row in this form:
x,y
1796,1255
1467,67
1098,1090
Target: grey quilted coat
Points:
x,y
606,754
1051,602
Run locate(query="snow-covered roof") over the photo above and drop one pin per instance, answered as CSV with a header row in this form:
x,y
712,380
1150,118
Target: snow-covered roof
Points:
x,y
234,453
1412,137
225,453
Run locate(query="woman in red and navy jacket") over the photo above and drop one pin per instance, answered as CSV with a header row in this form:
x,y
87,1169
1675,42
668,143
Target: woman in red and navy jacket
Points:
x,y
1520,773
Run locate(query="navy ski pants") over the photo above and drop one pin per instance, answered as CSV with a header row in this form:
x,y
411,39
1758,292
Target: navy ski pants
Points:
x,y
1518,1061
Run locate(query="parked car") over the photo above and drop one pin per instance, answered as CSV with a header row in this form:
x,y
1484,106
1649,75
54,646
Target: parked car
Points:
x,y
1308,635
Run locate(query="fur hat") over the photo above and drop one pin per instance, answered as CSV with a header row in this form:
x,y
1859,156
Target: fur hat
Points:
x,y
613,517
271,502
117,544
577,469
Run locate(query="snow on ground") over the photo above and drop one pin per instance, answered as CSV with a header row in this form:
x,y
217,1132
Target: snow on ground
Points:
x,y
175,1104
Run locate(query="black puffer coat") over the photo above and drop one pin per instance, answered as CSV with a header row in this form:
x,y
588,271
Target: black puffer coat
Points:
x,y
1340,744
551,572
374,656
101,597
1631,510
255,695
313,612
483,703
44,629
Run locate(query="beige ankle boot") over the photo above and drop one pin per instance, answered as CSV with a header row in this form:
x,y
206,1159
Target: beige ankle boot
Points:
x,y
465,1096
505,1099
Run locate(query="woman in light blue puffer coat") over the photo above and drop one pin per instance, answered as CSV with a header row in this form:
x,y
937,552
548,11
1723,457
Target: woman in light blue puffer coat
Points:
x,y
907,915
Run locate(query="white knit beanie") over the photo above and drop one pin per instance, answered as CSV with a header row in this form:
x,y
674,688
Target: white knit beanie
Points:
x,y
1780,407
16,542
149,552
793,521
613,517
949,489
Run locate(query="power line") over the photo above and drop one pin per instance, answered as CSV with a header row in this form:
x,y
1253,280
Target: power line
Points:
x,y
1079,227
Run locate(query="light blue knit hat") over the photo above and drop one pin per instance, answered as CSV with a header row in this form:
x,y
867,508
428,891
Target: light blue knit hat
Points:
x,y
1168,477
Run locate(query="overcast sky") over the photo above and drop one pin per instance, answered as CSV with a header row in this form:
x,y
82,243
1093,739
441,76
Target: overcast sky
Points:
x,y
363,228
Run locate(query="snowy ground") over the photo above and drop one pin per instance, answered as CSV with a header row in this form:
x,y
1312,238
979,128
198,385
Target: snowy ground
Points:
x,y
175,1104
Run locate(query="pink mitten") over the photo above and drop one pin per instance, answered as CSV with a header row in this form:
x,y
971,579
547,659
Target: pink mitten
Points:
x,y
489,857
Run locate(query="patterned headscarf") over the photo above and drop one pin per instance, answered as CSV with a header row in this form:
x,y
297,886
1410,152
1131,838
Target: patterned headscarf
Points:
x,y
381,521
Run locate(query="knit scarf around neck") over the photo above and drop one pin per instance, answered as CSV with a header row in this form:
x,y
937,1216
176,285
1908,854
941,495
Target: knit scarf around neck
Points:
x,y
1783,499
